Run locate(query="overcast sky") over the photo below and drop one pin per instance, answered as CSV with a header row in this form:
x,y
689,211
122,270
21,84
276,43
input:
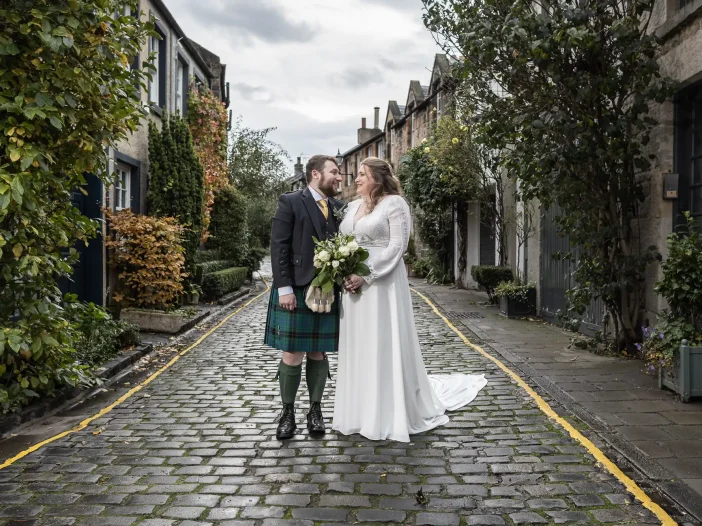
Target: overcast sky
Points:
x,y
312,68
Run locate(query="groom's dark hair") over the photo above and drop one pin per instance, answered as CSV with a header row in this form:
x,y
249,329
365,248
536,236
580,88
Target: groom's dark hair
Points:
x,y
317,162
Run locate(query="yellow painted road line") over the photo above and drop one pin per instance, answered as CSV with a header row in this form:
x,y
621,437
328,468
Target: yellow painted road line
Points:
x,y
85,423
610,466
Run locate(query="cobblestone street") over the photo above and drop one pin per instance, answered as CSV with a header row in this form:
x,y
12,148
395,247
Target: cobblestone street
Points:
x,y
197,446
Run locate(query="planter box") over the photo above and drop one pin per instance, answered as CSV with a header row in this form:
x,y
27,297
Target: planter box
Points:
x,y
512,308
159,321
685,377
192,299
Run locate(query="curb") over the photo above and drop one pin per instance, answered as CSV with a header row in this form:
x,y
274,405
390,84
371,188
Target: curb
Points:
x,y
41,408
653,473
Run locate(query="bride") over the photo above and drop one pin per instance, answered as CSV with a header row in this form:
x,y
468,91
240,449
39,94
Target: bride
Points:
x,y
383,390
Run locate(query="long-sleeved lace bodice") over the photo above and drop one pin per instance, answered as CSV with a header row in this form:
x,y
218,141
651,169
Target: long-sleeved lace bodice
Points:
x,y
388,226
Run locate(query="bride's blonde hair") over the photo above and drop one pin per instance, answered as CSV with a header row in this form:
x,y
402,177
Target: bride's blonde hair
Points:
x,y
384,180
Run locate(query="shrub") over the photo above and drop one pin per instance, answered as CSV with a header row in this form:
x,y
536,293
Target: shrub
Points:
x,y
681,285
254,258
67,97
205,256
147,253
259,219
217,284
202,269
176,185
490,276
514,290
228,226
100,337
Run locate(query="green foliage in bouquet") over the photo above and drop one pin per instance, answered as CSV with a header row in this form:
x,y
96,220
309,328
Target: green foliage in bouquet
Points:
x,y
337,258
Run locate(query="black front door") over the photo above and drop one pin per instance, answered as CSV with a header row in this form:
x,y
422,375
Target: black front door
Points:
x,y
87,279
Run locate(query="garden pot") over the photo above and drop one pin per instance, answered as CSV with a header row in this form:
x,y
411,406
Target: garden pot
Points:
x,y
192,299
685,376
514,308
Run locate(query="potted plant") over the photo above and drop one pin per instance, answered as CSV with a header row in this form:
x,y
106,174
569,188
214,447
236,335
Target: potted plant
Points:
x,y
674,347
488,277
516,298
193,295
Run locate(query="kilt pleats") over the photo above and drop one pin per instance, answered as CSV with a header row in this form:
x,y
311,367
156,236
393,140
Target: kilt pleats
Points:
x,y
302,330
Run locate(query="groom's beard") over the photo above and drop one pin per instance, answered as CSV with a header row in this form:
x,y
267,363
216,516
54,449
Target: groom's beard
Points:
x,y
329,190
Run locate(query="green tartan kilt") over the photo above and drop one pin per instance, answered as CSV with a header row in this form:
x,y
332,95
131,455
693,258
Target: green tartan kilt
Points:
x,y
302,330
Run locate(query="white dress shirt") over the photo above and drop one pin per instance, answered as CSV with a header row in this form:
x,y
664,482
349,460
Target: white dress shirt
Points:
x,y
282,291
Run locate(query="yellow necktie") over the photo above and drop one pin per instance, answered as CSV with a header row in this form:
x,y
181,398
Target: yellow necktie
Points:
x,y
323,205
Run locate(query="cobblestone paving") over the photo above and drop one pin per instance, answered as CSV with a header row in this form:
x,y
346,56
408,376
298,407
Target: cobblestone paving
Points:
x,y
198,447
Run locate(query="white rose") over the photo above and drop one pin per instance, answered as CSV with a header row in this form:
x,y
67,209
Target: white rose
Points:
x,y
323,256
335,264
353,246
317,263
345,250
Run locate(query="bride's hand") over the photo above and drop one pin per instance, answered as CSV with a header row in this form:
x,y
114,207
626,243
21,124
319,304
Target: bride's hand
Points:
x,y
353,282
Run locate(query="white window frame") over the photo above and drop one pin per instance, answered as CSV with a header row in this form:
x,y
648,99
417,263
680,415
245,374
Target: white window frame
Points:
x,y
179,95
381,149
154,83
123,186
392,141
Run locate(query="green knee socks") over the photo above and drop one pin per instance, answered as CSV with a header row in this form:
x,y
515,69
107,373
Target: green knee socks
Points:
x,y
289,377
317,371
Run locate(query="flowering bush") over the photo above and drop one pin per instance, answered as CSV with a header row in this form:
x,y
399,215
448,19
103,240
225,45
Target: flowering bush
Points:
x,y
207,120
661,344
681,287
515,290
337,258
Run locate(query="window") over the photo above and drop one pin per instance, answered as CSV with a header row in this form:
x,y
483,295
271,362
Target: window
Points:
x,y
411,131
392,142
369,151
157,84
684,3
439,106
122,186
688,138
182,85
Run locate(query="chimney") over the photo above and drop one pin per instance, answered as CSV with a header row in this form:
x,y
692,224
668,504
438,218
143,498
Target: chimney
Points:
x,y
298,167
377,118
365,133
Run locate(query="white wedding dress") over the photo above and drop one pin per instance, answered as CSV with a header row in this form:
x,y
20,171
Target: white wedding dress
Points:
x,y
382,388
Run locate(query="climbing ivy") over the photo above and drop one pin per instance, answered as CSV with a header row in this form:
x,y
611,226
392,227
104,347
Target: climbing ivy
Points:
x,y
67,93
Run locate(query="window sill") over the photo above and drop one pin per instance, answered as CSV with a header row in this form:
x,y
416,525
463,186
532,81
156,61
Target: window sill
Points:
x,y
157,110
679,20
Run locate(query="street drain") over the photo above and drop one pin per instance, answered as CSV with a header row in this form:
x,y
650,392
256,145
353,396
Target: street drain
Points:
x,y
452,315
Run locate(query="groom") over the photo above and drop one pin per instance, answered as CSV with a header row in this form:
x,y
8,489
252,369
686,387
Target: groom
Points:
x,y
291,326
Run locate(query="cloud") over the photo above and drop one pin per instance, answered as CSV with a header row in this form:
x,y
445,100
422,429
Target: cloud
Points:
x,y
327,65
359,77
246,21
251,93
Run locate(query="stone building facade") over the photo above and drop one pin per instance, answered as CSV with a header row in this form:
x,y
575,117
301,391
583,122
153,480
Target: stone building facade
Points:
x,y
178,60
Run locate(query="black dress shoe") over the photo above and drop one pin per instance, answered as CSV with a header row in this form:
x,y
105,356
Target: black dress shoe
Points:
x,y
315,420
286,423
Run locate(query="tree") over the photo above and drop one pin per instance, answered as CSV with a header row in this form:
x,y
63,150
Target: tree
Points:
x,y
66,95
562,91
177,182
256,164
257,168
207,122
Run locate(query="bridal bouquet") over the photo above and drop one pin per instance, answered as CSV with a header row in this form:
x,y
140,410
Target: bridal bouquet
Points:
x,y
334,259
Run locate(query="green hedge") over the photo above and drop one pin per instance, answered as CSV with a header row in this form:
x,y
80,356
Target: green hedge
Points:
x,y
205,256
490,276
217,284
202,269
